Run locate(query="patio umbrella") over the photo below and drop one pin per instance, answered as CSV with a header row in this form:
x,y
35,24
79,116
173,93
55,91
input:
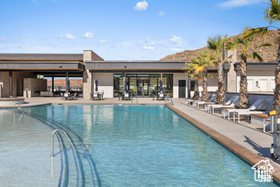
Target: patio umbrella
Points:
x,y
96,85
68,85
160,85
125,85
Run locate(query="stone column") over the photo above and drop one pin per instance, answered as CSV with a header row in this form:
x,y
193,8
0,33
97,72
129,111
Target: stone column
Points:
x,y
10,83
231,75
87,76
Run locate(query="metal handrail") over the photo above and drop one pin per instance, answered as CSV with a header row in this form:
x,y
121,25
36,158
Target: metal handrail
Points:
x,y
169,98
65,133
18,105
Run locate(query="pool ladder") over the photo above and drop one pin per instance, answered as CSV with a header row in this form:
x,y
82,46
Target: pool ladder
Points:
x,y
65,133
169,98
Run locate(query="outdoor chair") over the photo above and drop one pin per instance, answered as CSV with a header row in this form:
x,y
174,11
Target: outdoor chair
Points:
x,y
95,96
212,100
66,96
160,96
126,96
262,108
253,107
190,101
74,96
230,103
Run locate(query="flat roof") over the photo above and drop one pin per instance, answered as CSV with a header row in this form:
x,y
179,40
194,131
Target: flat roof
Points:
x,y
41,57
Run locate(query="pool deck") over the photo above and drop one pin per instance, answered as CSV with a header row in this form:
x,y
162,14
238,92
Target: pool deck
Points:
x,y
245,140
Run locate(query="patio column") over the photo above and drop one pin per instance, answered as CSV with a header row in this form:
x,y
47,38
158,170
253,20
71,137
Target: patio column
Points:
x,y
10,83
53,85
67,79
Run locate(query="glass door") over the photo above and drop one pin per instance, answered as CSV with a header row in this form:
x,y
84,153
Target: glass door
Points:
x,y
146,85
139,87
143,88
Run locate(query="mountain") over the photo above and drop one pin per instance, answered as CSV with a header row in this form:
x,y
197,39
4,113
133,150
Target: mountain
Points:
x,y
267,53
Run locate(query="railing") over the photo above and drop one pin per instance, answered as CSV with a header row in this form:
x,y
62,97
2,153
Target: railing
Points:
x,y
65,133
19,107
169,98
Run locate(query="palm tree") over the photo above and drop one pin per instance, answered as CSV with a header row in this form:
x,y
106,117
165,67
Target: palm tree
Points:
x,y
272,15
244,43
190,70
201,66
217,45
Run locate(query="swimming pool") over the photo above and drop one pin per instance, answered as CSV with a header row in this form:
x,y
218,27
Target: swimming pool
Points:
x,y
119,145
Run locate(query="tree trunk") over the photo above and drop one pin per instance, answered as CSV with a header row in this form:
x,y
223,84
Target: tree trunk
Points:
x,y
221,85
277,79
205,85
196,90
243,93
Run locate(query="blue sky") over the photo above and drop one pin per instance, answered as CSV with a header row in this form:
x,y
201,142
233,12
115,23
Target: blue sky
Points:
x,y
122,29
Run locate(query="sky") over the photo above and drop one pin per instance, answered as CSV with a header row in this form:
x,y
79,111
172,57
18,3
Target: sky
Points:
x,y
122,29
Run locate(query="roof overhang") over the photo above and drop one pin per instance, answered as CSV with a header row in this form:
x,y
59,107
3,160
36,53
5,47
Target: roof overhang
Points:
x,y
139,66
258,66
41,66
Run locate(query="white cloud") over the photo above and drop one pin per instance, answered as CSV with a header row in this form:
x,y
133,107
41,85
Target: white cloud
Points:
x,y
1,46
2,38
176,40
149,47
102,41
161,13
141,6
70,36
88,35
176,49
61,36
238,3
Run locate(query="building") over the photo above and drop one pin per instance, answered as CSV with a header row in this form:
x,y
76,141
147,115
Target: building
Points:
x,y
19,75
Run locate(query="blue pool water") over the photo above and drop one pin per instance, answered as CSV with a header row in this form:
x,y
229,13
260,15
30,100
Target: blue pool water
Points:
x,y
127,145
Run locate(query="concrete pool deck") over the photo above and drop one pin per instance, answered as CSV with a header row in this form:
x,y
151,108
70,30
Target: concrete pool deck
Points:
x,y
245,140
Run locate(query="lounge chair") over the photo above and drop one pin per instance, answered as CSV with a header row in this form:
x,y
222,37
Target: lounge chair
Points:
x,y
262,108
251,108
189,101
212,100
231,102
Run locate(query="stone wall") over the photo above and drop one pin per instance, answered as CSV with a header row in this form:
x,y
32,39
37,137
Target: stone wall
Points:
x,y
4,83
18,79
33,85
87,76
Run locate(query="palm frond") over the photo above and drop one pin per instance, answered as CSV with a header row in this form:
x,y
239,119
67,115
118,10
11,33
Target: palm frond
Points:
x,y
261,31
256,55
263,45
272,12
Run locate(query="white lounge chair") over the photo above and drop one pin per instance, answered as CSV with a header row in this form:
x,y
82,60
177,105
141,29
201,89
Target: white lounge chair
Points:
x,y
251,108
196,104
189,101
259,110
231,102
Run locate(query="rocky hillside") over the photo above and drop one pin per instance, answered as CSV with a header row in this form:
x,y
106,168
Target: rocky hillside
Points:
x,y
267,53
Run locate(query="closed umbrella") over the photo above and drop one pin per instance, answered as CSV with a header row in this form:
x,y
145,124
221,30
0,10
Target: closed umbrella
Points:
x,y
125,85
160,85
68,85
96,85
